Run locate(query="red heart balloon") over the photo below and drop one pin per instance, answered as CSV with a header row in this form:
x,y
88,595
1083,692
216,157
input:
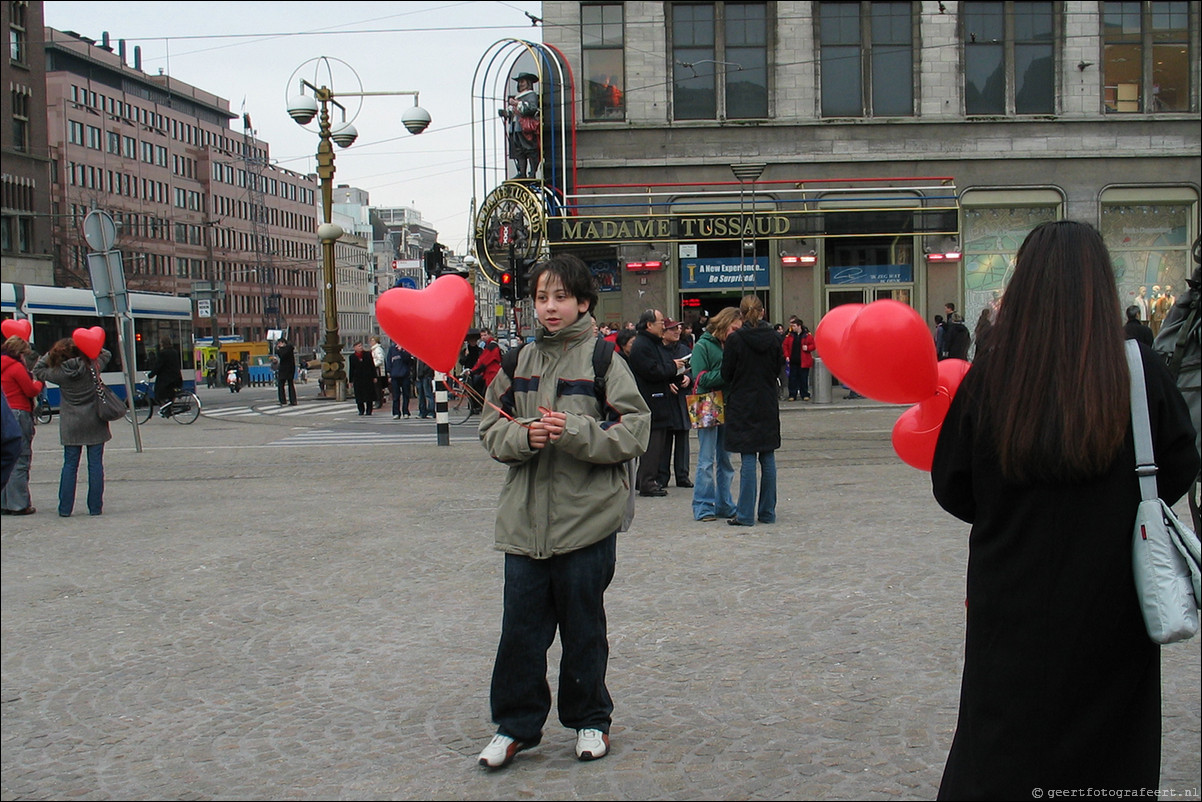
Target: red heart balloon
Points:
x,y
914,437
829,337
890,354
429,323
16,328
917,430
951,373
89,341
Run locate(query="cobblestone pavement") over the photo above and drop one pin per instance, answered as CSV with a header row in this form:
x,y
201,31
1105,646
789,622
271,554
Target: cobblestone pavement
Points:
x,y
318,622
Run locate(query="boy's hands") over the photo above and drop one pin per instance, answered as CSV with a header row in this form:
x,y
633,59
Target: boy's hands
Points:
x,y
546,429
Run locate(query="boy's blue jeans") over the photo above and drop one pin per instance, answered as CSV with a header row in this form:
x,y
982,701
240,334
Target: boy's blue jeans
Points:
x,y
566,592
70,475
747,511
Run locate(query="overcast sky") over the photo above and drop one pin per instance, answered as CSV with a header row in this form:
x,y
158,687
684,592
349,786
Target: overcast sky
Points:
x,y
247,52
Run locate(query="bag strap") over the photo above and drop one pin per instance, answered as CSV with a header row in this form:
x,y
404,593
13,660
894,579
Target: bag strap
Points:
x,y
1145,458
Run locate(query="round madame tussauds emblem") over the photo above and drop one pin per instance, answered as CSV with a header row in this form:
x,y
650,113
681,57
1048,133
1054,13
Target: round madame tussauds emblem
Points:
x,y
511,223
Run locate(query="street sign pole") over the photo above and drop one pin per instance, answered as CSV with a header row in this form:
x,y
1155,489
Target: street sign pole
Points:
x,y
112,299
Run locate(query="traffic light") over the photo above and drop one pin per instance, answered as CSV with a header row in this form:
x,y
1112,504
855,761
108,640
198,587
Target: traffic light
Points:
x,y
435,261
521,280
508,287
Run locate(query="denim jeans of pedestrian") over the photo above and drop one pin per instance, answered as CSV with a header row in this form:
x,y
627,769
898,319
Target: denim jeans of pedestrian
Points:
x,y
70,475
425,397
711,483
567,592
15,496
748,512
399,387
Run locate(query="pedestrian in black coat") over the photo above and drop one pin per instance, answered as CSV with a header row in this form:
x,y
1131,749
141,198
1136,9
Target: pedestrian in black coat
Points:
x,y
285,370
168,373
1061,683
361,373
654,371
676,442
751,363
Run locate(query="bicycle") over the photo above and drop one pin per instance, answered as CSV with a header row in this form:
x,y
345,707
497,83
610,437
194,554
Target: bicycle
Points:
x,y
184,408
461,406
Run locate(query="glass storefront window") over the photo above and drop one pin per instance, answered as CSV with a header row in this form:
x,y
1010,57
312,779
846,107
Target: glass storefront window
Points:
x,y
991,237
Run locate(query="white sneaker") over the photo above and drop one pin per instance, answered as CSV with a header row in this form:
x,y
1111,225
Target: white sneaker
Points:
x,y
500,751
591,744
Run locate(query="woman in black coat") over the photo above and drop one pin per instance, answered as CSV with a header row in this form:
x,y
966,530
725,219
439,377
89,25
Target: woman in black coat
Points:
x,y
361,374
751,364
1061,684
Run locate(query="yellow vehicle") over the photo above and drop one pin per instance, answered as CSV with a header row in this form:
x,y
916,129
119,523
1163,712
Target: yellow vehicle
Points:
x,y
246,352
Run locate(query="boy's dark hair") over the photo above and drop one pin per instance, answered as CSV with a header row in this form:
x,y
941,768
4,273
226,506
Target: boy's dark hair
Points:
x,y
571,270
625,336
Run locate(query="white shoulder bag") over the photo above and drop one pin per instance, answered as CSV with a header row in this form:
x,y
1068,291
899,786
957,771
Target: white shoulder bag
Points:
x,y
1165,553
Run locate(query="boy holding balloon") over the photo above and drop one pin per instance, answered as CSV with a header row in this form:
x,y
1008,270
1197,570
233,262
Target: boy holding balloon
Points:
x,y
566,443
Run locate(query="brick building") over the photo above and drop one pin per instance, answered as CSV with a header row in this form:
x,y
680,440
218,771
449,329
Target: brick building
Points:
x,y
196,201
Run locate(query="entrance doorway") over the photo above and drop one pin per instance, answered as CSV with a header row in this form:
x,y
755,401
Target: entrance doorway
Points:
x,y
865,269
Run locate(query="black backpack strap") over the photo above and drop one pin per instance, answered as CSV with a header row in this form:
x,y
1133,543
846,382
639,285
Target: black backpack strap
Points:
x,y
509,361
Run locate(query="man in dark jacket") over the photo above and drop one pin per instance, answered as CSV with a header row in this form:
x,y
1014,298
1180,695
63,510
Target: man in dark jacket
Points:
x,y
957,339
285,352
168,374
1134,329
654,371
400,369
676,441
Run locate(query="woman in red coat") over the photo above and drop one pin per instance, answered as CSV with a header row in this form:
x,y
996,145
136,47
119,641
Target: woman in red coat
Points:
x,y
20,389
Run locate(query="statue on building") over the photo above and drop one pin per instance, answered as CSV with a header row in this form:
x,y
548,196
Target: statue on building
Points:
x,y
523,126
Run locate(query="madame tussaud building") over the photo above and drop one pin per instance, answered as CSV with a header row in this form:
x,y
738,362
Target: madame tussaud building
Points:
x,y
820,153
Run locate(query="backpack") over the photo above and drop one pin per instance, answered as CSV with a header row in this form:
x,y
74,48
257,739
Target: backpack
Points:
x,y
603,355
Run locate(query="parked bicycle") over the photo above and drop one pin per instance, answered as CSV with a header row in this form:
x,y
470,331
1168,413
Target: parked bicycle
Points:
x,y
184,408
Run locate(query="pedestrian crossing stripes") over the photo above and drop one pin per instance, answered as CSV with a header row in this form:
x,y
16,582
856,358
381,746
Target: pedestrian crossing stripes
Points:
x,y
278,411
330,437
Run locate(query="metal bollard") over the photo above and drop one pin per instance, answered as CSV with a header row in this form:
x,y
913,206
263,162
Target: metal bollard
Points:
x,y
820,377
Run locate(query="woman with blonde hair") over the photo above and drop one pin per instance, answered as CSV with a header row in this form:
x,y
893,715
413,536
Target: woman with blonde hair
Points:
x,y
751,364
711,489
79,426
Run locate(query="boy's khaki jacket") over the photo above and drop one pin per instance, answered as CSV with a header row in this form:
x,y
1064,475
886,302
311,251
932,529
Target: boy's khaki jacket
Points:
x,y
573,492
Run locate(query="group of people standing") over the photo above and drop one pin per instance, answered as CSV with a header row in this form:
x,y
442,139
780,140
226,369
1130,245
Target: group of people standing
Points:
x,y
741,355
1057,657
376,374
80,426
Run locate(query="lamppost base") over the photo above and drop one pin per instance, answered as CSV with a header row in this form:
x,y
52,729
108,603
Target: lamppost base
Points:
x,y
333,383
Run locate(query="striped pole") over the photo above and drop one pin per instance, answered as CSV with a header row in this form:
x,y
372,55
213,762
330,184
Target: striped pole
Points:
x,y
442,419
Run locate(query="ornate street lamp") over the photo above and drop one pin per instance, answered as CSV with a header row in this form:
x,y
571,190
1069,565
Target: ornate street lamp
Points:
x,y
303,108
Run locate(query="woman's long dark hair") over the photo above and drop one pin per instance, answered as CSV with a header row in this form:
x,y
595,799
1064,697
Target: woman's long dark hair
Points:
x,y
1055,379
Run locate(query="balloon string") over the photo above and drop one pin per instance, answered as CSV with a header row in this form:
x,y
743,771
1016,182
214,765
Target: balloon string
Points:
x,y
475,395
